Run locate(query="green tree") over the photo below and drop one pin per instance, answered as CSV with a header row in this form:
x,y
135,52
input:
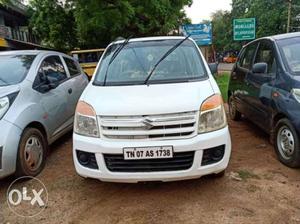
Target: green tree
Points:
x,y
53,22
271,19
100,22
222,31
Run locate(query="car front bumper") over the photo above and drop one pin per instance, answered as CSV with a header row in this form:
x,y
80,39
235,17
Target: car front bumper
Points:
x,y
9,142
197,144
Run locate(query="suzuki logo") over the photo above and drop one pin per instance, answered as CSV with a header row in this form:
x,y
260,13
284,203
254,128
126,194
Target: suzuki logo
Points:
x,y
148,123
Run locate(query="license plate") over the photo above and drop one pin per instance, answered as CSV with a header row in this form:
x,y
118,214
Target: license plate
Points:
x,y
159,152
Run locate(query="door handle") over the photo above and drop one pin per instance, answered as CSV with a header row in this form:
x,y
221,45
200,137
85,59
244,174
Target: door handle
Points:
x,y
70,91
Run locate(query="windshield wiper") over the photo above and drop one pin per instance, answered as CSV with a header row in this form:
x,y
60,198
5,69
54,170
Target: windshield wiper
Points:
x,y
163,57
115,54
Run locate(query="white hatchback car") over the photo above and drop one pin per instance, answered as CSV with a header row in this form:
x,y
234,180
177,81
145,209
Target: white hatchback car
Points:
x,y
153,112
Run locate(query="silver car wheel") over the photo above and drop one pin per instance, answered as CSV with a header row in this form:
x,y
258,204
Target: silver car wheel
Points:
x,y
33,153
286,142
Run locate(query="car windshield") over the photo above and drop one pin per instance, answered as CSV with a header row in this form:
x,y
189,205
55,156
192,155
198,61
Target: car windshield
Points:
x,y
136,60
290,50
14,68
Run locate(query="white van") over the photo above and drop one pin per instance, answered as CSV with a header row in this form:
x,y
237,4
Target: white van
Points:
x,y
152,112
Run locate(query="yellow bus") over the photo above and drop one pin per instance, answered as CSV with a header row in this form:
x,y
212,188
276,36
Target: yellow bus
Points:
x,y
88,59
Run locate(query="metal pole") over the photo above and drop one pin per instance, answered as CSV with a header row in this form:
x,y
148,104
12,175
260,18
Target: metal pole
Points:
x,y
289,16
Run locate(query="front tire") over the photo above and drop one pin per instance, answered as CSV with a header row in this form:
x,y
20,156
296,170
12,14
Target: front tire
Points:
x,y
32,153
287,143
234,114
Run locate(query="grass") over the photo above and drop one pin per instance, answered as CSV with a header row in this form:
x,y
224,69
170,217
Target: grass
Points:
x,y
223,81
245,174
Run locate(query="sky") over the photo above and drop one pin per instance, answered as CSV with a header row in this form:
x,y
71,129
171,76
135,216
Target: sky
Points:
x,y
202,9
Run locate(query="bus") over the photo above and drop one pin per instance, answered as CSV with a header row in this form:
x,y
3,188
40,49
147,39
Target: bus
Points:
x,y
88,59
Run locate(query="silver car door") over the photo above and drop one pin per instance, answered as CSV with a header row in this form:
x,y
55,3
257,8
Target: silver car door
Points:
x,y
76,84
51,86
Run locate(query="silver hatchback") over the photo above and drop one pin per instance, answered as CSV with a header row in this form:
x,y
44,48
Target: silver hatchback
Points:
x,y
39,91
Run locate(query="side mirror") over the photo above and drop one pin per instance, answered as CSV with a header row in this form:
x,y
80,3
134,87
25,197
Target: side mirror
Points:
x,y
213,68
260,68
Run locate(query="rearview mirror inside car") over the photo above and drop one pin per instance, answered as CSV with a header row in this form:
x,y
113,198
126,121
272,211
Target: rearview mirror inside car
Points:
x,y
213,68
261,68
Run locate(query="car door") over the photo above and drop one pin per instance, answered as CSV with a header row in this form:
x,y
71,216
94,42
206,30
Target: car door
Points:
x,y
76,84
238,77
260,85
52,99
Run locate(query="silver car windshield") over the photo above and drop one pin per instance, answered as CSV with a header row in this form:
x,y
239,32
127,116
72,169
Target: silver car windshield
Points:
x,y
290,50
14,68
134,63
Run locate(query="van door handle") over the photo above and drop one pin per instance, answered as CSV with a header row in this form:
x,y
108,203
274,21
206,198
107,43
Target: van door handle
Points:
x,y
70,91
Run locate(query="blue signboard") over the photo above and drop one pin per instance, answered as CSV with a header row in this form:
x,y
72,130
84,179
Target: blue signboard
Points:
x,y
200,33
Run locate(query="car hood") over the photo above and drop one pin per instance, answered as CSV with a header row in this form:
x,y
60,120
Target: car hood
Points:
x,y
6,90
147,100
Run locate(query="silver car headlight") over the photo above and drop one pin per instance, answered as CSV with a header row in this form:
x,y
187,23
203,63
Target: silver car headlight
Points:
x,y
212,115
86,120
296,94
4,106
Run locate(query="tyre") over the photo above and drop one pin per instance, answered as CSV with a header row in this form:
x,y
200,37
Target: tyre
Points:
x,y
234,114
287,143
32,153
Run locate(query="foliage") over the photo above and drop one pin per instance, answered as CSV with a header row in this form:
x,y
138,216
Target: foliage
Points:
x,y
95,23
223,82
222,32
100,22
271,17
53,22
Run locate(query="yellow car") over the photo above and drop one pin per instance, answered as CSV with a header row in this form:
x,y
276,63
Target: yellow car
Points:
x,y
88,59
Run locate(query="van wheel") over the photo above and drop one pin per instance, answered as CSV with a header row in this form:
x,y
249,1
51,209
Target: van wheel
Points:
x,y
233,112
32,153
287,143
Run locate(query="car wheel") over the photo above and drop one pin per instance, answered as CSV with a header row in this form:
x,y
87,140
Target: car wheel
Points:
x,y
287,143
233,112
32,153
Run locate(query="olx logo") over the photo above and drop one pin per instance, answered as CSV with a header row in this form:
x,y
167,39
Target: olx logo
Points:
x,y
27,196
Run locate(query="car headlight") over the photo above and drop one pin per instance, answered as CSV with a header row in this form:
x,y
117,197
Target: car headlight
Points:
x,y
4,105
86,120
212,115
296,94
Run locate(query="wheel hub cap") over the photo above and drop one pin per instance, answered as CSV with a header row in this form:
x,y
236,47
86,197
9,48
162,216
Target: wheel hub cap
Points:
x,y
33,153
286,142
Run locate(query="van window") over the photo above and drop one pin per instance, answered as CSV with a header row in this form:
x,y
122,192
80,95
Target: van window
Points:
x,y
248,56
73,69
265,54
134,63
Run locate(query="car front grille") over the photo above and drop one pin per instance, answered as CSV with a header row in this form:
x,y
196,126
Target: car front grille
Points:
x,y
180,161
165,126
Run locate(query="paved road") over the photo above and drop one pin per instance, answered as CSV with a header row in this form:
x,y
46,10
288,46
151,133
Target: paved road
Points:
x,y
225,67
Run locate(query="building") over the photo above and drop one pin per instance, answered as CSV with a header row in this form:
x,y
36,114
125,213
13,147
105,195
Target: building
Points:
x,y
14,31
